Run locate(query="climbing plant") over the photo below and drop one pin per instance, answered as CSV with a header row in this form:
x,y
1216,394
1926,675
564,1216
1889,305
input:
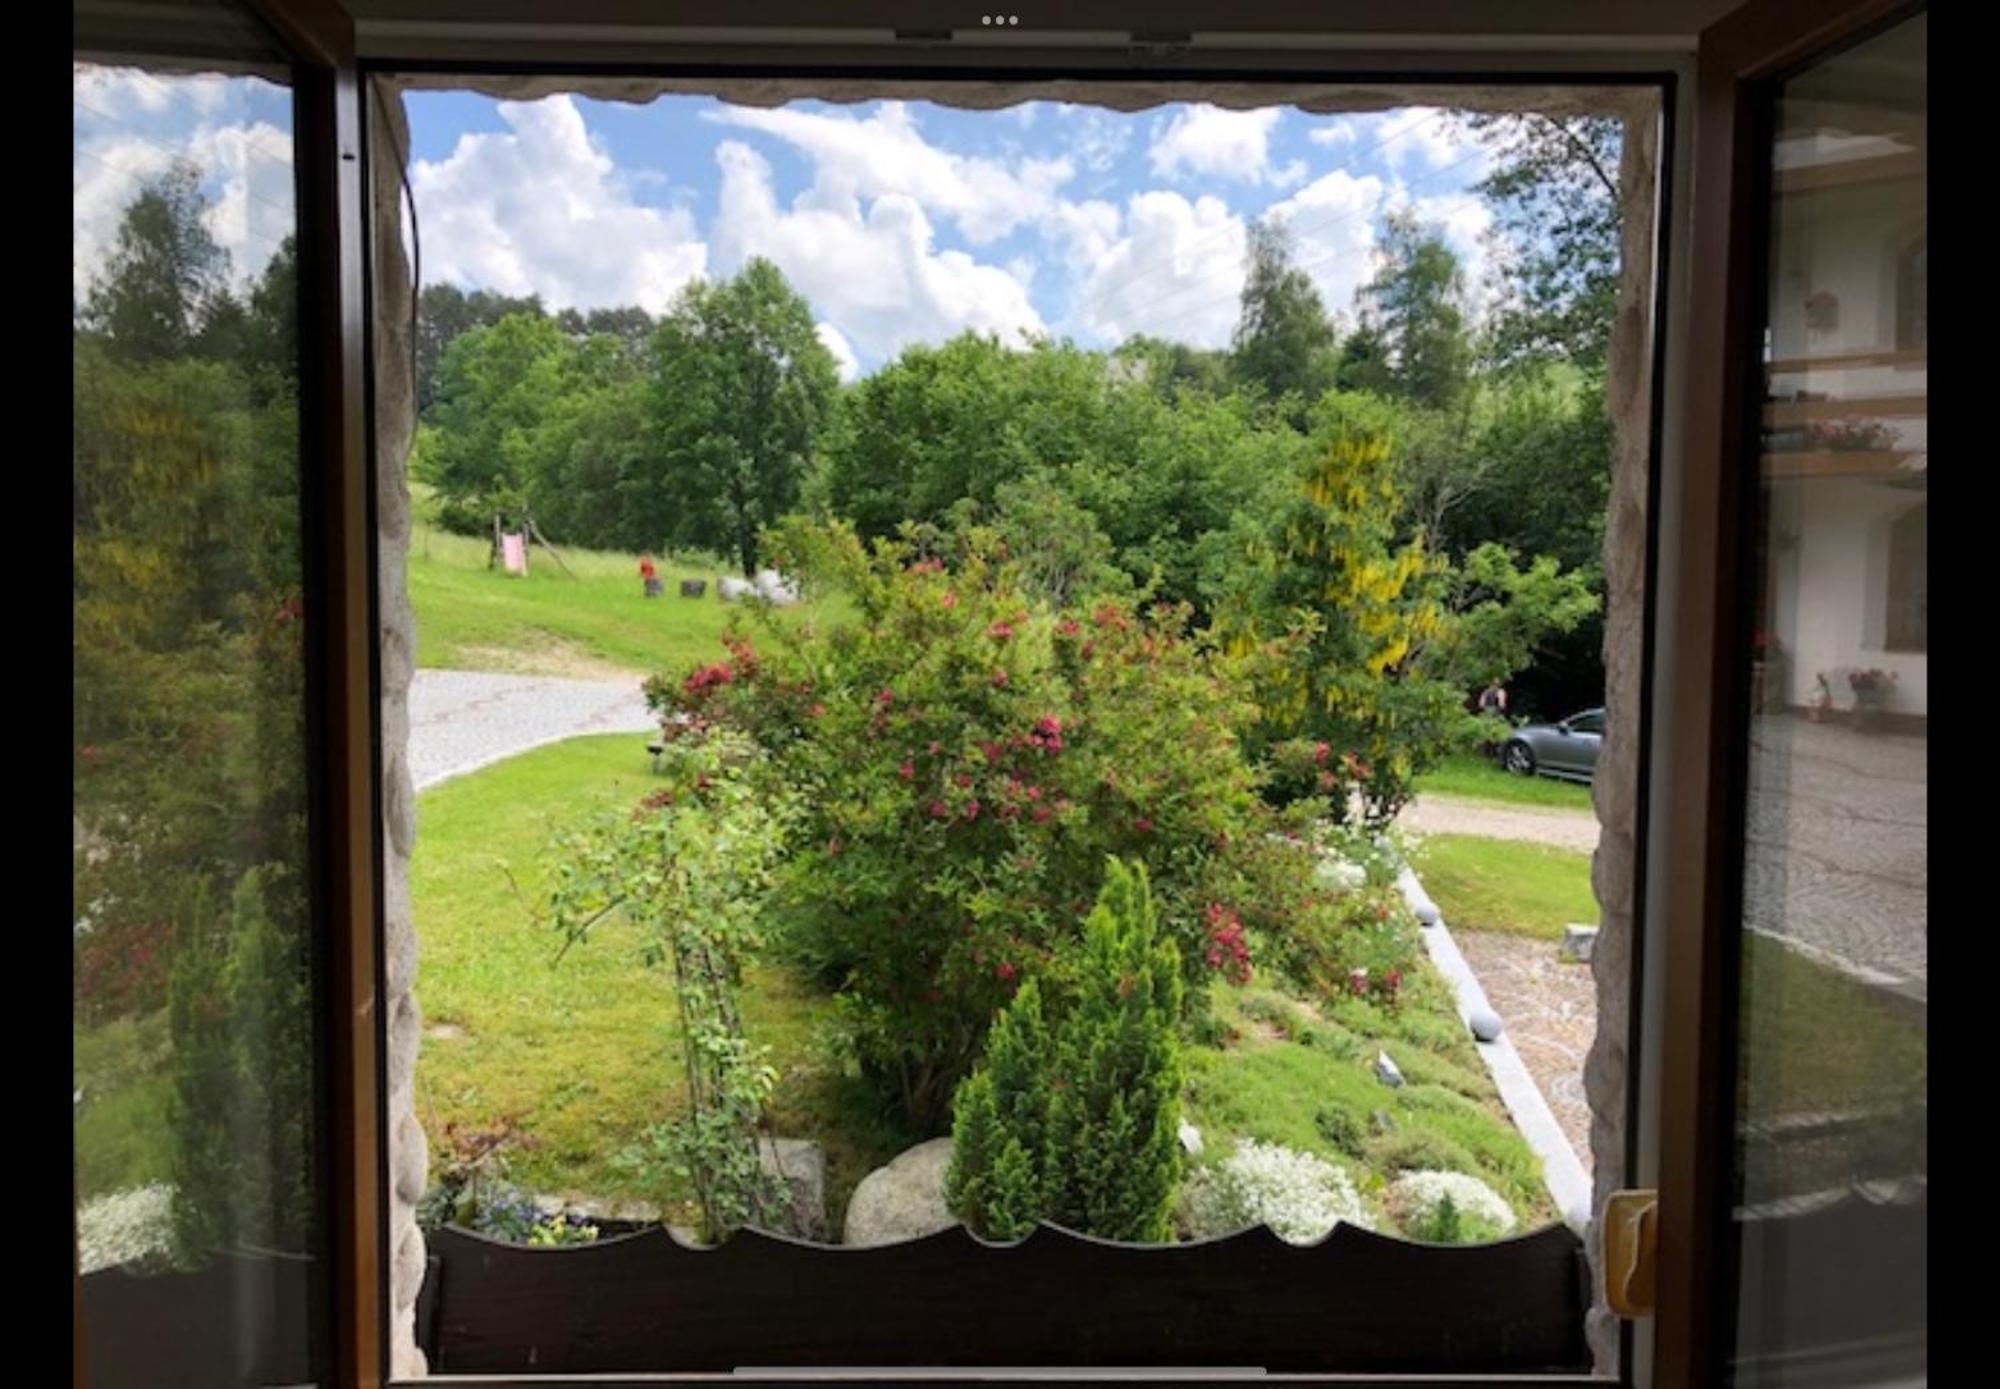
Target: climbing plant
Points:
x,y
692,866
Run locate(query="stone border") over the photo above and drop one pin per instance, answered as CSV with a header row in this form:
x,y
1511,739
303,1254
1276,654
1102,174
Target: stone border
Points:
x,y
1562,1172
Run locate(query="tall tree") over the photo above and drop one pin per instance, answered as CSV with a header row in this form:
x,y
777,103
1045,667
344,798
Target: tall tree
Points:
x,y
1554,190
742,387
446,313
1284,339
165,275
495,389
1416,304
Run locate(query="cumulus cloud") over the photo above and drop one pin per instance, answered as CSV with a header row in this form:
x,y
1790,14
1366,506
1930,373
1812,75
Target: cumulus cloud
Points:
x,y
1414,141
1333,222
860,158
873,270
1207,140
540,209
844,360
1173,268
1093,137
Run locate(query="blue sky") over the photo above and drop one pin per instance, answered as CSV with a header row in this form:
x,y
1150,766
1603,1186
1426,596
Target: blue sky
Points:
x,y
900,222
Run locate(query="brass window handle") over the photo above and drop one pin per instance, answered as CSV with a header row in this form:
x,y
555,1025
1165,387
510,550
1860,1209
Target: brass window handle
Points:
x,y
1631,1243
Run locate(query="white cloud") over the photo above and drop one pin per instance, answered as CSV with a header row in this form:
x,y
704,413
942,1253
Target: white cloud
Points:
x,y
1095,138
858,158
844,360
106,173
1414,141
1176,270
872,271
1208,140
540,208
1332,221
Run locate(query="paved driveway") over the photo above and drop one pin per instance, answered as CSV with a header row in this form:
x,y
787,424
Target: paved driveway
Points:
x,y
463,720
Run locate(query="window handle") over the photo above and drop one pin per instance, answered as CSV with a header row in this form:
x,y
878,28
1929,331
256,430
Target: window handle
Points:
x,y
1631,1245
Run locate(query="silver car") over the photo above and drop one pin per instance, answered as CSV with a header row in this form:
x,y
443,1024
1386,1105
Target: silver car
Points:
x,y
1567,749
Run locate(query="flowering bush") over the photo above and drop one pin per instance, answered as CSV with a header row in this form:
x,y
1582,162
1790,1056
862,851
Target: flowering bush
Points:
x,y
1449,1207
126,1227
1301,1197
966,759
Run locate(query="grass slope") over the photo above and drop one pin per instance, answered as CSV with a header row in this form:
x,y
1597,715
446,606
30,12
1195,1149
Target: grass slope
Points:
x,y
595,624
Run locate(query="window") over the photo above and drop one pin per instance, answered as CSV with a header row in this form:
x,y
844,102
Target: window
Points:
x,y
197,1134
1913,296
1908,626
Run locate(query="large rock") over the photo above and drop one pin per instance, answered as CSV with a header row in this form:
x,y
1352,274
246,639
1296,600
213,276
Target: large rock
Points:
x,y
802,1165
775,588
904,1200
731,589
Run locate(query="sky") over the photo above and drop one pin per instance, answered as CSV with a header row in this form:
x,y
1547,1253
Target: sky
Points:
x,y
900,222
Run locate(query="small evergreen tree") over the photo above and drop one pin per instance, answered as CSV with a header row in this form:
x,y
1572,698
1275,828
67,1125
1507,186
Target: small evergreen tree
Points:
x,y
1079,1122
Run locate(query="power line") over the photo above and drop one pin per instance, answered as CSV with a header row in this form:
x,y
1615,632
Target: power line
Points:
x,y
270,246
1104,292
250,149
1306,264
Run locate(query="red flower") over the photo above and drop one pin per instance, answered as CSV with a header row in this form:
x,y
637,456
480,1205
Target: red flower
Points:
x,y
1000,631
1069,627
940,811
886,697
1143,825
950,599
909,769
1005,970
1321,752
972,810
1042,814
964,780
999,677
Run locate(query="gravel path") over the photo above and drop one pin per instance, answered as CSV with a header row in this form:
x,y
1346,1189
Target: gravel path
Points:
x,y
463,720
1565,829
1549,1007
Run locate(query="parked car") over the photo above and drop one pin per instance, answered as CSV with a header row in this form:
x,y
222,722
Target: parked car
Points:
x,y
1567,749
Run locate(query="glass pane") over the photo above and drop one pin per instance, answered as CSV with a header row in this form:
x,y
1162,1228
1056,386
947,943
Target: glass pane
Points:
x,y
1832,1116
196,1174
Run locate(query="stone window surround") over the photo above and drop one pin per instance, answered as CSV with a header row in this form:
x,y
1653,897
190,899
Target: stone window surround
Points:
x,y
1630,388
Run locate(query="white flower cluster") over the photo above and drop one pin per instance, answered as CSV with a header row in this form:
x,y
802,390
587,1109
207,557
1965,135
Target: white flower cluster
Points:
x,y
1300,1196
1340,874
126,1227
1415,1195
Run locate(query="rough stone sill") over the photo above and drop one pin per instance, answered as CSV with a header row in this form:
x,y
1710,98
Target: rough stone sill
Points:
x,y
1562,1172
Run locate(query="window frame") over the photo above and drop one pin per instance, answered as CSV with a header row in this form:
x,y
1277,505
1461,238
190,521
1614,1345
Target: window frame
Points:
x,y
336,169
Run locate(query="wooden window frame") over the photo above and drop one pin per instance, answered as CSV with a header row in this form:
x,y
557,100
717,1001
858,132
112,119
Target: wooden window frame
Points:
x,y
1702,700
336,363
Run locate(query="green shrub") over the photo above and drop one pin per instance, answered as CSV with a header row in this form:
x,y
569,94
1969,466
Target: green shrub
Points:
x,y
966,759
1417,1150
240,1015
1345,1128
1078,1123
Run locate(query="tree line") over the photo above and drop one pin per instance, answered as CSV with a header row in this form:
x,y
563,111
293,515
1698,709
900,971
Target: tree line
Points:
x,y
701,428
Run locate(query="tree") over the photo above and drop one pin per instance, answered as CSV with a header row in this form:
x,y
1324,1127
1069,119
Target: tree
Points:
x,y
1077,1121
1416,304
1284,340
165,275
742,387
444,314
495,389
1554,188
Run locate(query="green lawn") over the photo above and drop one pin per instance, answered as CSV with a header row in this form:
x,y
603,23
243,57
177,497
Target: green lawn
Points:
x,y
1505,884
598,623
122,1134
583,1053
1480,778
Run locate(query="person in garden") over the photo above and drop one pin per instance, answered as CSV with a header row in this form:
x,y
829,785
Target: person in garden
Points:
x,y
650,576
1493,700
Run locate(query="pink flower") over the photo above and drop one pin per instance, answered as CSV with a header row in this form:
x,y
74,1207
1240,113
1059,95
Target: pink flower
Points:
x,y
1005,970
940,811
1143,825
964,780
908,769
999,677
972,810
1069,628
887,696
950,599
1000,631
1321,752
1042,814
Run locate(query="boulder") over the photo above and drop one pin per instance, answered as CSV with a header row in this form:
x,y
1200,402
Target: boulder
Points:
x,y
1190,1139
904,1200
731,589
1485,1024
1577,942
693,588
1387,1071
775,588
802,1166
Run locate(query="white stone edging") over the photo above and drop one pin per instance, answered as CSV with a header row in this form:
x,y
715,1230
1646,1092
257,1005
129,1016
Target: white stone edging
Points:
x,y
1562,1171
